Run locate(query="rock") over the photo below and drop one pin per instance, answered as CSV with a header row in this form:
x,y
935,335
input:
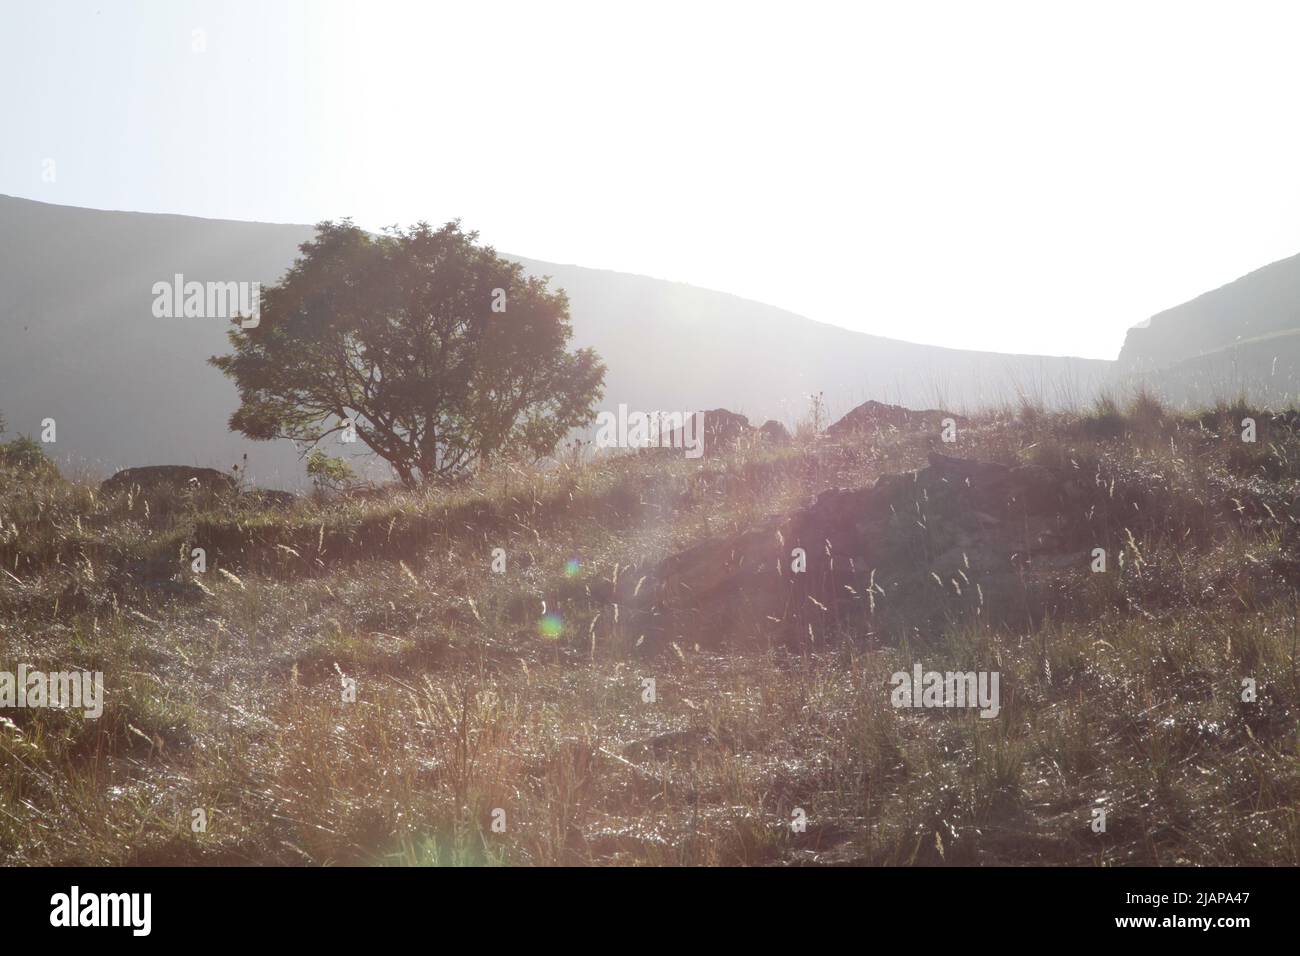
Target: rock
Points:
x,y
872,416
723,429
774,432
719,428
169,477
957,538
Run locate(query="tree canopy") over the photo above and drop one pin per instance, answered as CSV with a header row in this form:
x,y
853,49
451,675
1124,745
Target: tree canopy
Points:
x,y
438,352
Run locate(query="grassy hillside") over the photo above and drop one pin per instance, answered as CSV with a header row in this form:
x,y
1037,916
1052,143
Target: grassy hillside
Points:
x,y
524,691
79,344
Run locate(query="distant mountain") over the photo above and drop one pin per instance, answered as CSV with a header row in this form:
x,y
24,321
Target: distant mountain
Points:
x,y
1242,338
79,344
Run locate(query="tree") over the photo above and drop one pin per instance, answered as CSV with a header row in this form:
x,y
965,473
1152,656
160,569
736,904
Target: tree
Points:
x,y
438,352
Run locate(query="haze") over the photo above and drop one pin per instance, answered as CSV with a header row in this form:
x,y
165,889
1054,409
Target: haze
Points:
x,y
1017,178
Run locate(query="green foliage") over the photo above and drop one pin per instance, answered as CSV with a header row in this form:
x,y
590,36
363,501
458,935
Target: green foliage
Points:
x,y
328,473
399,334
26,453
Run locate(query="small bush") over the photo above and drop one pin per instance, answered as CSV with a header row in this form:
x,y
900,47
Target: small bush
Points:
x,y
328,474
1105,420
1146,413
25,453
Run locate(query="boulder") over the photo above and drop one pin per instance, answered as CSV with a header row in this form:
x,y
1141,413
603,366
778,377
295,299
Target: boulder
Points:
x,y
721,430
175,478
873,416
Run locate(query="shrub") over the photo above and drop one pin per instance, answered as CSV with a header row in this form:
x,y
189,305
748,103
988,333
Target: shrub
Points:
x,y
1105,420
328,474
26,453
1146,413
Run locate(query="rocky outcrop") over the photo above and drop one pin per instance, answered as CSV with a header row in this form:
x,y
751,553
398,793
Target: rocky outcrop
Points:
x,y
175,478
723,429
958,537
872,416
718,428
1254,306
956,540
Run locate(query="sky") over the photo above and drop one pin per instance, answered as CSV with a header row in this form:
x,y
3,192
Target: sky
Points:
x,y
1020,177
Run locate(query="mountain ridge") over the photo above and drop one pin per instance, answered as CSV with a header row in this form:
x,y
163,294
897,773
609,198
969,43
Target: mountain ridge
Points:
x,y
1261,302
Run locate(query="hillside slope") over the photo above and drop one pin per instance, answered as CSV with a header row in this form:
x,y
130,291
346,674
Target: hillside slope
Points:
x,y
477,692
78,343
1239,338
1263,371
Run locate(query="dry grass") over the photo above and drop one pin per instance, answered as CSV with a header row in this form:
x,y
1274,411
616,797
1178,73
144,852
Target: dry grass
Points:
x,y
227,694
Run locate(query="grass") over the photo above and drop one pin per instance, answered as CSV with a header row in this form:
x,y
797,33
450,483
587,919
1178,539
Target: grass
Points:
x,y
478,738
